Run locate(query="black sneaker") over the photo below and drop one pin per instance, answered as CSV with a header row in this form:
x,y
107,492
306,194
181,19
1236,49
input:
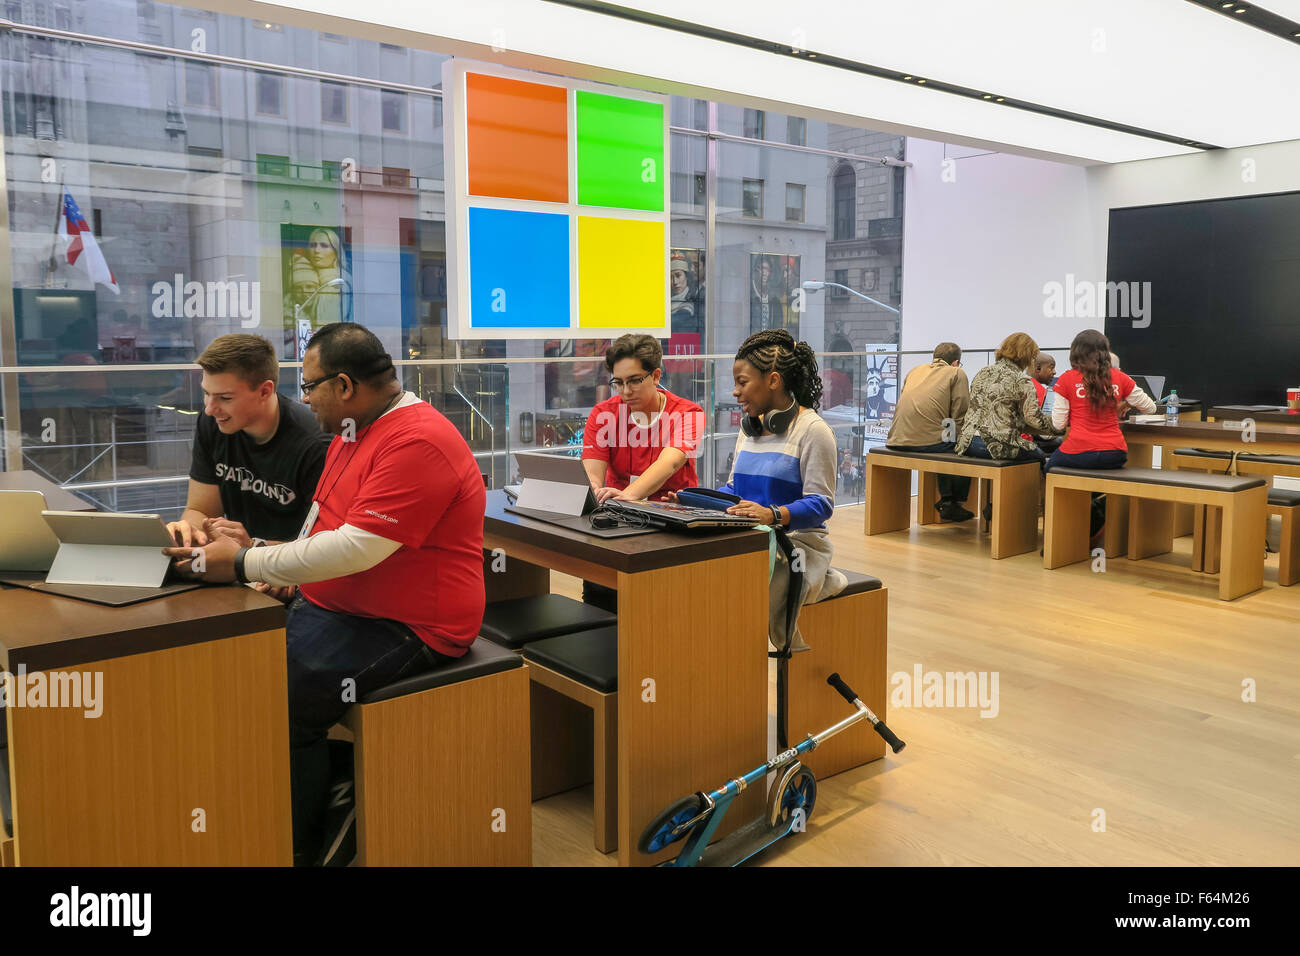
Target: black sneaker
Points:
x,y
952,511
340,827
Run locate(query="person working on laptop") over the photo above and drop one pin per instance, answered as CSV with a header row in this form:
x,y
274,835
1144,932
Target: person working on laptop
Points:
x,y
784,470
390,562
256,456
641,442
929,415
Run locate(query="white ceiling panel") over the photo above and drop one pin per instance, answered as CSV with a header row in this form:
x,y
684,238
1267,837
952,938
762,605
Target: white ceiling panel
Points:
x,y
1163,66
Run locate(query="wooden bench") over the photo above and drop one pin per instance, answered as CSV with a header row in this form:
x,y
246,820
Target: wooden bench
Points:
x,y
1013,490
1152,495
1281,502
846,633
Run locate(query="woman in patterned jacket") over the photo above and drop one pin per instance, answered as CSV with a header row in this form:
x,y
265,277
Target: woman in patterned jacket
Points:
x,y
1004,405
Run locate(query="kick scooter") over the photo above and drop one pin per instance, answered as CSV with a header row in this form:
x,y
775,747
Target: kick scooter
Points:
x,y
790,801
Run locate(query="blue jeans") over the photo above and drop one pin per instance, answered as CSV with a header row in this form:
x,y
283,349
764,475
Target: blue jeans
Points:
x,y
1110,458
325,649
951,487
977,449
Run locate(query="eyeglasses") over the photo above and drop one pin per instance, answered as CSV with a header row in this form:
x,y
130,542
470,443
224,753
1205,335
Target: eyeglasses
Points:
x,y
308,386
635,381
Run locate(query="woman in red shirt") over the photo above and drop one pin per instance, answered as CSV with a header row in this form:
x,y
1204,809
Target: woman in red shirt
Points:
x,y
1092,395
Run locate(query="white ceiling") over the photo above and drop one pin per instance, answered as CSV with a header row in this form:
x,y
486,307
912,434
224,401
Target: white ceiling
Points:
x,y
1166,66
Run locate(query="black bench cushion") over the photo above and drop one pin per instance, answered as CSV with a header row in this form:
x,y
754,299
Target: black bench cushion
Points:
x,y
482,658
1284,497
1173,479
945,456
858,584
521,621
589,657
1204,453
1224,456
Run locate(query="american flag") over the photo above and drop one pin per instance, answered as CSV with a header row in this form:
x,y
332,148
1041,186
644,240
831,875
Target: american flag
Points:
x,y
81,244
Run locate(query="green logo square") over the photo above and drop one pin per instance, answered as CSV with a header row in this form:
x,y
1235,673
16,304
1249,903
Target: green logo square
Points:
x,y
620,152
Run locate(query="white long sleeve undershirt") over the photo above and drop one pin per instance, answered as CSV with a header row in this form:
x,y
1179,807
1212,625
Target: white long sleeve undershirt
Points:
x,y
326,554
1137,398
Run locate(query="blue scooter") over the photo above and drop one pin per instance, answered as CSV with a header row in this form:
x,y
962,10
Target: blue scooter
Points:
x,y
790,801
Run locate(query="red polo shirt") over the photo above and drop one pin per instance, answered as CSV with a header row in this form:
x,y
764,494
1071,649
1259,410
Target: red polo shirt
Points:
x,y
409,477
612,436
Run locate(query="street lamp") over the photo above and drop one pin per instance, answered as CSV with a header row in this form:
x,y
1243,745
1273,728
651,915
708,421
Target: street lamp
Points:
x,y
813,285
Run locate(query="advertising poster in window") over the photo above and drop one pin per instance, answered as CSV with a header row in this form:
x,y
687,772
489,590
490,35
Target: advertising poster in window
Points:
x,y
773,282
317,279
879,394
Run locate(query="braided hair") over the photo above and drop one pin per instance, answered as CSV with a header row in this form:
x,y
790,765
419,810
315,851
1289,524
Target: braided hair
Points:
x,y
775,350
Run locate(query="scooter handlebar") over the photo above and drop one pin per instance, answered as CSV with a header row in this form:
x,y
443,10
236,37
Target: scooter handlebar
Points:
x,y
847,693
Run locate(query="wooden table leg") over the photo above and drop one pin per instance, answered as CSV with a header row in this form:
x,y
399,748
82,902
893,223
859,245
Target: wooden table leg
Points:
x,y
1150,528
692,689
187,765
927,497
1115,531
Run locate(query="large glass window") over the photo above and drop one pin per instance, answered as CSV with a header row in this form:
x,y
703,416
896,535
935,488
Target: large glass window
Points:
x,y
248,199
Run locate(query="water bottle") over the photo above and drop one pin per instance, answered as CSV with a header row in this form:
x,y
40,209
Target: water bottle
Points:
x,y
1171,408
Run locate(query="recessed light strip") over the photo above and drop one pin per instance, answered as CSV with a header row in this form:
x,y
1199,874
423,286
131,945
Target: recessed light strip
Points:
x,y
1253,16
824,59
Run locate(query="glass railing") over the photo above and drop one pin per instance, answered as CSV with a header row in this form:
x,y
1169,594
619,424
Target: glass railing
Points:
x,y
120,435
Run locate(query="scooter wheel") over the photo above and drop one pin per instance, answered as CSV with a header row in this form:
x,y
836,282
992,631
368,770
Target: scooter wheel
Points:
x,y
798,792
659,833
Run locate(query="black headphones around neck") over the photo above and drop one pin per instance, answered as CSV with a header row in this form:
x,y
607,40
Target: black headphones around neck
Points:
x,y
777,422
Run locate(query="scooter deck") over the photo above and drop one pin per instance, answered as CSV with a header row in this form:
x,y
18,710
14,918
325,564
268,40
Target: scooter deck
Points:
x,y
737,847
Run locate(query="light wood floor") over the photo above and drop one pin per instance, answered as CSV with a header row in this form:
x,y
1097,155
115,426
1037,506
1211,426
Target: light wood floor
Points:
x,y
1118,691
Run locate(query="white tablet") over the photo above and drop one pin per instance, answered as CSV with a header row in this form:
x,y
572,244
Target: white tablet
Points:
x,y
26,541
108,548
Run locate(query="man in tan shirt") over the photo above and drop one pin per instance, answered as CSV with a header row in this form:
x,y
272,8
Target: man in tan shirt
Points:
x,y
931,405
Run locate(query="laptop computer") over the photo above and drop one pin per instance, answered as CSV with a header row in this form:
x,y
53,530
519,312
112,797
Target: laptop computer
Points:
x,y
26,541
674,516
107,549
555,489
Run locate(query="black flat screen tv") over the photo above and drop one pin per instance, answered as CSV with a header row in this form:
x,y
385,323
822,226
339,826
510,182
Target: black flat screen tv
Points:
x,y
1224,311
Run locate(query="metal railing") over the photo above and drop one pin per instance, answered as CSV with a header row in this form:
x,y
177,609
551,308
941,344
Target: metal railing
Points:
x,y
854,434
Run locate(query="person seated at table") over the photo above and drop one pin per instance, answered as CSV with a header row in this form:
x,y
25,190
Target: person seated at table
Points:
x,y
929,414
1089,395
1004,408
256,456
642,441
389,564
784,466
1043,376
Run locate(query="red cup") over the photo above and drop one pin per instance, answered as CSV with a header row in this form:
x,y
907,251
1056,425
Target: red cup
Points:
x,y
1293,399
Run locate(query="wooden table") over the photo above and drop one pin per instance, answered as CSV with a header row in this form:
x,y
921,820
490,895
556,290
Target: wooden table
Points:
x,y
188,761
56,498
1268,439
692,653
1272,414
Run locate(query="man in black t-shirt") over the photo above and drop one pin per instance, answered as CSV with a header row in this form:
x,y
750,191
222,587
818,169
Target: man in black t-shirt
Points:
x,y
257,456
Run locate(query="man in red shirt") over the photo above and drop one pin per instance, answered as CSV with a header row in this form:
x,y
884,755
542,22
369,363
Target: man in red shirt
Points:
x,y
388,564
642,442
